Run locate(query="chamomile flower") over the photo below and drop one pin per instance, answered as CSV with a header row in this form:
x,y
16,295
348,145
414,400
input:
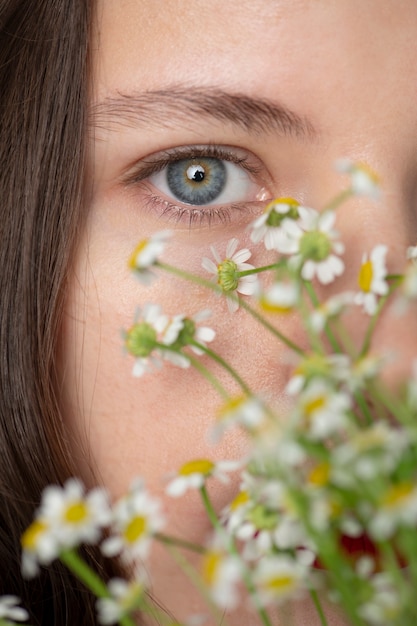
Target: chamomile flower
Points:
x,y
279,578
136,518
412,253
67,517
281,297
321,410
227,272
318,247
363,180
372,279
125,597
248,413
184,331
10,611
329,309
385,604
146,254
221,573
194,474
397,507
141,340
74,515
271,225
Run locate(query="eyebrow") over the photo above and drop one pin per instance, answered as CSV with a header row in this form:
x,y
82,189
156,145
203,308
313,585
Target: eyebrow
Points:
x,y
186,105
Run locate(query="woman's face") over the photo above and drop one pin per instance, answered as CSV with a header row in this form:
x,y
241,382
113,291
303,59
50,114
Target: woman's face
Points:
x,y
340,80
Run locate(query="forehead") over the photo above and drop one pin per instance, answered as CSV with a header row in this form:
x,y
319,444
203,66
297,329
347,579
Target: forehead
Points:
x,y
315,54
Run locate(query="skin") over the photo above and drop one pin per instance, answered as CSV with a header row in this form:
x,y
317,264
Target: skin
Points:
x,y
349,68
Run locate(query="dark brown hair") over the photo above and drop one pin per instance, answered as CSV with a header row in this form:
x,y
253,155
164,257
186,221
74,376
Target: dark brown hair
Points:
x,y
44,64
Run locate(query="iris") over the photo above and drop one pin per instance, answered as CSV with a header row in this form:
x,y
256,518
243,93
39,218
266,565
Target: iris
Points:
x,y
196,181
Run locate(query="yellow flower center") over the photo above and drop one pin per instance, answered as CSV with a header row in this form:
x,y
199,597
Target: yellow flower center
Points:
x,y
365,276
397,495
135,529
241,499
319,475
31,535
314,404
211,565
279,585
198,466
230,406
76,513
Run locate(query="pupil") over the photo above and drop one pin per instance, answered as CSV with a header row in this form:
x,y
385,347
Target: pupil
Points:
x,y
196,173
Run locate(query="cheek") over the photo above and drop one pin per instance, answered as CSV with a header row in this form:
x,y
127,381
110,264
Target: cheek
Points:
x,y
149,426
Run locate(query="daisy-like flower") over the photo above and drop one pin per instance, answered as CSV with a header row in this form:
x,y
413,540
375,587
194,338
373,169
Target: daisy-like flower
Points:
x,y
397,507
363,180
10,612
332,366
248,413
227,272
271,225
136,518
194,474
221,573
184,331
281,297
372,279
329,309
146,254
321,410
67,517
385,605
142,338
125,597
279,578
318,247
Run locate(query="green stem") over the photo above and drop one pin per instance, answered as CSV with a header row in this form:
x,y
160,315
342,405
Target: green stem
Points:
x,y
89,578
316,302
318,607
258,270
338,200
179,543
216,357
210,285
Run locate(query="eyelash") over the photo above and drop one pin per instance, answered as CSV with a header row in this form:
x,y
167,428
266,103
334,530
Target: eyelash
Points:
x,y
203,215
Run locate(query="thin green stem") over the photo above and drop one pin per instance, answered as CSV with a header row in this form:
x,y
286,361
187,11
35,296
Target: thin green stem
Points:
x,y
258,270
339,199
315,598
89,578
210,285
315,301
179,543
216,357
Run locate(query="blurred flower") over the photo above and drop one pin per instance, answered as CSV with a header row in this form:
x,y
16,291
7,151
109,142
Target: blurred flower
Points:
x,y
183,331
136,518
385,603
125,597
329,309
363,180
397,507
271,225
66,518
10,611
321,410
281,297
318,247
146,253
227,272
222,572
246,412
372,279
279,578
193,475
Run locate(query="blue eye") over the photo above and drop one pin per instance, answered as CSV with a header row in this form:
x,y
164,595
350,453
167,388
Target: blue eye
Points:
x,y
204,180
